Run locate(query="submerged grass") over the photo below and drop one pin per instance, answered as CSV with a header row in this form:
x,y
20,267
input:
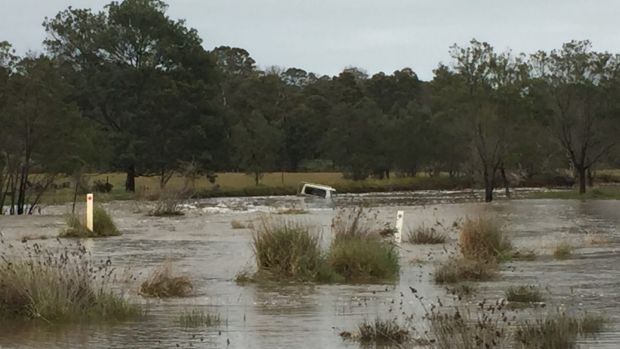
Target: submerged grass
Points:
x,y
461,269
198,318
57,287
103,225
382,332
290,251
163,282
483,239
426,235
563,251
524,294
557,331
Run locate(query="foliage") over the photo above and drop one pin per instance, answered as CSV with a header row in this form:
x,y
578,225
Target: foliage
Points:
x,y
287,250
103,225
483,239
426,235
164,283
387,332
198,318
557,331
524,294
460,269
59,286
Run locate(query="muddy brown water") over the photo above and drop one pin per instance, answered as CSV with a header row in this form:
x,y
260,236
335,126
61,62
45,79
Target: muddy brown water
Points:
x,y
203,245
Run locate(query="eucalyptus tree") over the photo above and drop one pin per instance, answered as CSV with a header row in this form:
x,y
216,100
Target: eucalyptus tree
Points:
x,y
130,63
577,87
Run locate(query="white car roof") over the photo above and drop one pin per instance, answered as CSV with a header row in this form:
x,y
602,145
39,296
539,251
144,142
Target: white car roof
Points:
x,y
320,186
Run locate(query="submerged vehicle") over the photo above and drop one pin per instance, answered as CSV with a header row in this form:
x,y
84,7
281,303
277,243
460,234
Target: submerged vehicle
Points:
x,y
317,190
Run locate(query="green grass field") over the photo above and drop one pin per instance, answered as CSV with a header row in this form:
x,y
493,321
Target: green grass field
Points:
x,y
607,192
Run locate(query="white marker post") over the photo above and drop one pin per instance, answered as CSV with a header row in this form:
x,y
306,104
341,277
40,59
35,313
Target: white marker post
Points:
x,y
89,211
398,237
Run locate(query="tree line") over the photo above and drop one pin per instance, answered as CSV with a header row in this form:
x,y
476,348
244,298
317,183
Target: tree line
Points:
x,y
130,89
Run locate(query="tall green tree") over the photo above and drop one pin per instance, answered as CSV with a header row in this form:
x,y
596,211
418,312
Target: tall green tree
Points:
x,y
125,59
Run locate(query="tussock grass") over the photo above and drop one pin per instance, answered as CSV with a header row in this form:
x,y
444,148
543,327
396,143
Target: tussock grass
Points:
x,y
461,269
382,332
103,225
523,255
556,331
287,250
235,224
563,251
163,283
483,239
198,318
524,294
169,202
426,235
57,287
290,251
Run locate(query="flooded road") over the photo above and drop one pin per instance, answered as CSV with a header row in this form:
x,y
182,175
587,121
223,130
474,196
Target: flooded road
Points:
x,y
203,245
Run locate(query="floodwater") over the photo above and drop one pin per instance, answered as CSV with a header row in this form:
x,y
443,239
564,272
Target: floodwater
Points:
x,y
203,245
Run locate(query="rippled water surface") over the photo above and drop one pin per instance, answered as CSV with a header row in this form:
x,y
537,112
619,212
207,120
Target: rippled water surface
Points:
x,y
203,245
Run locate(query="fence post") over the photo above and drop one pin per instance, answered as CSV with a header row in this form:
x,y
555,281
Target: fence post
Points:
x,y
398,236
89,211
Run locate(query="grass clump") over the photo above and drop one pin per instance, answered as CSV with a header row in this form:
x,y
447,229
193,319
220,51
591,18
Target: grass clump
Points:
x,y
103,225
426,235
169,203
483,239
357,253
523,294
382,332
163,283
57,287
557,331
287,250
235,224
563,251
461,269
198,318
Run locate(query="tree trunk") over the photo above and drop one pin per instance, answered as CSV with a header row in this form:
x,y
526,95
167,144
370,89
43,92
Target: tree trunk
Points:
x,y
488,186
130,183
256,178
590,178
582,179
505,180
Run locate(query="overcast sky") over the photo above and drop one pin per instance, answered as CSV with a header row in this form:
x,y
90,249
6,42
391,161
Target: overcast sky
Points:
x,y
324,36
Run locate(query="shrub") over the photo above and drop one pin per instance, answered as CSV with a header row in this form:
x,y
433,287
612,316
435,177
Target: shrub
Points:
x,y
287,250
562,251
100,186
382,332
556,331
54,287
523,294
461,269
426,235
163,283
366,259
483,239
198,318
235,224
103,225
169,203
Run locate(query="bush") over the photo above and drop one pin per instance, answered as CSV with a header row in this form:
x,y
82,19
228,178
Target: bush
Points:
x,y
103,225
426,235
58,287
483,239
382,332
523,294
457,270
163,283
100,186
562,251
287,250
363,259
169,203
556,331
